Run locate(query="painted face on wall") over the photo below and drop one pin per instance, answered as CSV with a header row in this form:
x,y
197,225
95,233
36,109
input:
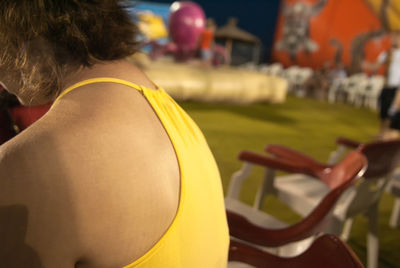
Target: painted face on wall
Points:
x,y
296,28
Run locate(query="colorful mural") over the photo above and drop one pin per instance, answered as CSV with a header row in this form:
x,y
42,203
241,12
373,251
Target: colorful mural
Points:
x,y
315,33
296,28
388,12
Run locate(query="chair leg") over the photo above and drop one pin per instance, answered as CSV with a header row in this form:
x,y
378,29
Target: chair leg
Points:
x,y
335,155
347,229
235,185
267,187
395,217
372,237
331,96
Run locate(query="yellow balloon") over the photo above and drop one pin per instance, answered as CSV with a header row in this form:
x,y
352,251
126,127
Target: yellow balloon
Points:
x,y
152,26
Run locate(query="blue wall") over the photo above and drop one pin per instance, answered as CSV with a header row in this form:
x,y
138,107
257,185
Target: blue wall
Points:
x,y
258,17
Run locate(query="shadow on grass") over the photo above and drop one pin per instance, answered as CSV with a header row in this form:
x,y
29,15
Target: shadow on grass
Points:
x,y
263,112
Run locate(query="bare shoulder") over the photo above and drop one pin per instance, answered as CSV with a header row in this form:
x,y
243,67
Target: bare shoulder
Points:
x,y
87,172
13,153
18,155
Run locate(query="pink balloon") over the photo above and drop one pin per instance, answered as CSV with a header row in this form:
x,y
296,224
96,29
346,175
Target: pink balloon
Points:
x,y
186,22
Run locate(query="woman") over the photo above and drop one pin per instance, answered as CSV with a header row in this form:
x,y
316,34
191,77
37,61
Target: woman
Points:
x,y
115,174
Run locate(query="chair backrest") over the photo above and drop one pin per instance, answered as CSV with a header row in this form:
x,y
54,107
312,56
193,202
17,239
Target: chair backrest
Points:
x,y
263,68
354,81
276,69
377,82
383,157
346,172
327,251
306,73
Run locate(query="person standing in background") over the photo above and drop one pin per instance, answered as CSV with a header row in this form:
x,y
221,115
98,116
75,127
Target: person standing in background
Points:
x,y
207,42
389,99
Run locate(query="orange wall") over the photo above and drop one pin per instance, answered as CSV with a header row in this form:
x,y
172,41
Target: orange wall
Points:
x,y
342,20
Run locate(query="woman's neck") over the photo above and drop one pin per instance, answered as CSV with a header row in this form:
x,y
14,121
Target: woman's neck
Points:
x,y
121,69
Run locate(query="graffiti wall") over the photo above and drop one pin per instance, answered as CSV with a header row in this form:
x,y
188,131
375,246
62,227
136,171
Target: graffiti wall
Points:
x,y
326,32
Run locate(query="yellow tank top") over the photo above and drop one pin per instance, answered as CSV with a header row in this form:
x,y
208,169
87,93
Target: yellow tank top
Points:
x,y
198,236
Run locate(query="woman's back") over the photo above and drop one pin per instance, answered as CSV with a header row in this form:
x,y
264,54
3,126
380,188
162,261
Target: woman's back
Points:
x,y
114,167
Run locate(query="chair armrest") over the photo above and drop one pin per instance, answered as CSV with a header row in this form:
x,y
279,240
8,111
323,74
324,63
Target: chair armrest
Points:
x,y
274,163
258,258
327,251
348,142
241,228
295,156
310,168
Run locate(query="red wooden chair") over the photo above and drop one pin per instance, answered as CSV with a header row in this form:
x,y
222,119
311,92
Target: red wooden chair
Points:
x,y
303,192
256,227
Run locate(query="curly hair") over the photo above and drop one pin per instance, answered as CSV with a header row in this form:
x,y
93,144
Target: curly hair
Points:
x,y
43,40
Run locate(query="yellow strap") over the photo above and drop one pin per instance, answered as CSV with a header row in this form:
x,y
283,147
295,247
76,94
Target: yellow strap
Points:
x,y
98,80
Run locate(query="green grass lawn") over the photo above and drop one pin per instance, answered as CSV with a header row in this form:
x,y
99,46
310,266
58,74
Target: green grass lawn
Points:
x,y
306,125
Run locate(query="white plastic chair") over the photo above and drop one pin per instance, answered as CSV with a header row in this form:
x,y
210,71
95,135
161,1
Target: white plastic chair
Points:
x,y
249,66
306,73
292,74
362,88
302,76
373,90
355,88
275,69
337,86
263,68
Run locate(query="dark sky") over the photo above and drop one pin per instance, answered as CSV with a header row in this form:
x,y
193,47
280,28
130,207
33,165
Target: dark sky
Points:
x,y
258,17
